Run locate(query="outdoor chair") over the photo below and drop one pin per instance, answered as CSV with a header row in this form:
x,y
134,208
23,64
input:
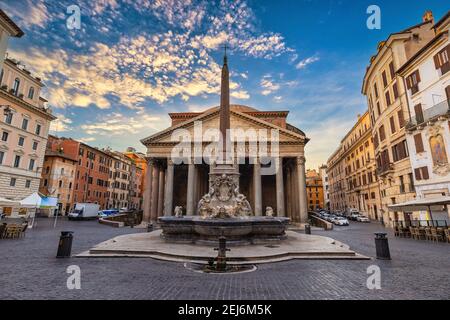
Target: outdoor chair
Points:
x,y
447,235
13,231
428,235
396,231
421,233
2,230
414,233
435,236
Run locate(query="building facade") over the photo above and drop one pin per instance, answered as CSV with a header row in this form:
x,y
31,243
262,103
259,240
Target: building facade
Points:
x,y
337,181
326,186
427,78
58,178
24,126
314,190
388,110
7,29
119,181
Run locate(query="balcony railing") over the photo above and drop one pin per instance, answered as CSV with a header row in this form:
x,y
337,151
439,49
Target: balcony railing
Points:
x,y
385,169
440,109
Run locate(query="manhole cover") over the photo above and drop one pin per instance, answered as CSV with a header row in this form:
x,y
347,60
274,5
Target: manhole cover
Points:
x,y
205,268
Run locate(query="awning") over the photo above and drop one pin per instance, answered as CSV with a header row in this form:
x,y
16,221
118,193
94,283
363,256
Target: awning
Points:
x,y
35,200
420,204
8,203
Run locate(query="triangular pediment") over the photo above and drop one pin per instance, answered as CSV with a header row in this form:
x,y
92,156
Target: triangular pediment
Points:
x,y
211,120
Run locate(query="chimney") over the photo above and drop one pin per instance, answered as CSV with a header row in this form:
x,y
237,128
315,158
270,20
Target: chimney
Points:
x,y
428,16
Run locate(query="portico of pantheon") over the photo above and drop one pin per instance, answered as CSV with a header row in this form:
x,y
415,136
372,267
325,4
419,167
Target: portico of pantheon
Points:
x,y
171,184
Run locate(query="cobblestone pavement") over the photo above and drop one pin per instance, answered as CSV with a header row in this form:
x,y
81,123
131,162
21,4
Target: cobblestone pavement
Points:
x,y
29,270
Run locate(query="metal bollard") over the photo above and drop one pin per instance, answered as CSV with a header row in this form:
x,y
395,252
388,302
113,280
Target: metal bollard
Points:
x,y
65,244
382,246
150,227
307,229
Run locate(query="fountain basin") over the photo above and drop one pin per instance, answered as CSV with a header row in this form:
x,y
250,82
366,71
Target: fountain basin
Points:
x,y
251,230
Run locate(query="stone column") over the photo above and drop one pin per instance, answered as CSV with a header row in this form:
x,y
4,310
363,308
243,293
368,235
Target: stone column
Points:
x,y
289,192
155,188
280,189
168,194
161,192
257,187
303,200
148,191
190,190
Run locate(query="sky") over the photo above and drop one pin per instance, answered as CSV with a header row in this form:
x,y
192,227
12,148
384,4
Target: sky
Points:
x,y
114,81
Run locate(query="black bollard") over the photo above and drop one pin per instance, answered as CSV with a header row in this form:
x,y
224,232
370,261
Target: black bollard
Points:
x,y
307,229
65,244
150,227
382,246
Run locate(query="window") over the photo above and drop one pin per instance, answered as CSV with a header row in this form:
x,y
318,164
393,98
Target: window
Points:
x,y
45,182
35,145
388,98
2,155
25,124
400,151
21,141
412,82
402,185
401,119
5,136
31,93
395,89
375,89
421,173
38,129
12,182
16,86
419,113
1,77
441,60
411,183
8,117
16,161
419,143
60,183
392,122
27,184
382,133
31,165
385,82
392,70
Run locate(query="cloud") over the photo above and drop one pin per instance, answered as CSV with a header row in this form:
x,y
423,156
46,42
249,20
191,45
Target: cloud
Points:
x,y
305,62
87,139
61,124
31,13
268,85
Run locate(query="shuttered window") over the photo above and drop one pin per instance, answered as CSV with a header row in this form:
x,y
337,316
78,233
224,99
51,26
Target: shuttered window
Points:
x,y
382,133
442,61
401,119
392,122
419,113
422,173
412,82
447,92
388,98
385,82
375,89
395,89
392,70
419,143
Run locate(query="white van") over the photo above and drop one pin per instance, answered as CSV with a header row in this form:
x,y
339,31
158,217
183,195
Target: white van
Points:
x,y
84,211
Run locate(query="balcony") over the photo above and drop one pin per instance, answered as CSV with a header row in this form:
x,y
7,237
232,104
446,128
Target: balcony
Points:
x,y
385,169
441,109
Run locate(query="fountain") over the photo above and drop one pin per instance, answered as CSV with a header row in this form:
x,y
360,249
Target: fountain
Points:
x,y
224,211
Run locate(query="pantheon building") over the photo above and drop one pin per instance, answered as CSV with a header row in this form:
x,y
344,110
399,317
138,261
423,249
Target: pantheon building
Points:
x,y
170,184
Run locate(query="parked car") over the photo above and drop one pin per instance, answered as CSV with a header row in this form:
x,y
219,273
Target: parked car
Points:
x,y
340,221
84,211
363,219
107,213
354,216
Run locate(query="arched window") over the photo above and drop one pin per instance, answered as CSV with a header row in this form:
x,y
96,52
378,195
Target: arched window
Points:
x,y
31,93
16,86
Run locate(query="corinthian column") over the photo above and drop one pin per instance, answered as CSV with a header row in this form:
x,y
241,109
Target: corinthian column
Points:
x,y
161,192
168,194
148,191
190,189
280,189
257,188
155,188
303,205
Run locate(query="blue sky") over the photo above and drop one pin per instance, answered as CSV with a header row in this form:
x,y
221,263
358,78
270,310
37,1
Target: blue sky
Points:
x,y
113,82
